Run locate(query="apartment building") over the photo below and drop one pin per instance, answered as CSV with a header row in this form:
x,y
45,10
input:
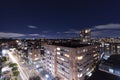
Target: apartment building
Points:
x,y
109,47
85,35
33,54
70,61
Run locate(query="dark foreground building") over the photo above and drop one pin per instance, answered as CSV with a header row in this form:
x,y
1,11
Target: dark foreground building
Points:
x,y
111,66
108,69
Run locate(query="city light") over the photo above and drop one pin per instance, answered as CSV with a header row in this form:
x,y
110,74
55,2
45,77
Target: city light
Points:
x,y
66,55
58,48
62,59
4,51
58,53
22,74
47,76
80,75
80,57
60,40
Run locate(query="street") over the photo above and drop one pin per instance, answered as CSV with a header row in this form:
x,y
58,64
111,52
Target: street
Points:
x,y
25,73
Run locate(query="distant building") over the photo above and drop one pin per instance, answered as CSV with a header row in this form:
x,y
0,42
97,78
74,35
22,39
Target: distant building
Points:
x,y
109,46
70,61
29,50
85,35
33,54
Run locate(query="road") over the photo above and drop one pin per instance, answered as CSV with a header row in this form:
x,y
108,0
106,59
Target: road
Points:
x,y
25,73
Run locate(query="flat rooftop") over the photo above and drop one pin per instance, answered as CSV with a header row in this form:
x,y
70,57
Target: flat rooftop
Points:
x,y
114,59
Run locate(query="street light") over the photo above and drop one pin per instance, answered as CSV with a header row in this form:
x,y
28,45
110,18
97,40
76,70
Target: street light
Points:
x,y
47,76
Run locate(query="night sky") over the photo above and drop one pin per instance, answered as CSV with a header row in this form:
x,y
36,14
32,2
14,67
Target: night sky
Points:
x,y
59,19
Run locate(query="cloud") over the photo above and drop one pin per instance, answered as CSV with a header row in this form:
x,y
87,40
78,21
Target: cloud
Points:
x,y
34,35
107,30
108,26
19,35
58,32
32,27
72,31
105,33
9,35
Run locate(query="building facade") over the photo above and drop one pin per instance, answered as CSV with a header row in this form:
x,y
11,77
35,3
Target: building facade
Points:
x,y
70,62
85,35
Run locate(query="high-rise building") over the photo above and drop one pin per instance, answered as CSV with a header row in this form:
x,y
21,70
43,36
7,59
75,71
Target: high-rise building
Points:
x,y
70,62
85,35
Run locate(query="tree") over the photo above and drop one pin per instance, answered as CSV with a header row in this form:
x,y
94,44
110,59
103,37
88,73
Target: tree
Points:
x,y
14,68
16,79
15,73
8,79
4,59
12,64
37,78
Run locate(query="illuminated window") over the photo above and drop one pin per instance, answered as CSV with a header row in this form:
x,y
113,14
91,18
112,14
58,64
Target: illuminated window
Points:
x,y
80,70
95,46
94,55
58,48
86,31
84,40
48,52
87,69
80,75
111,70
96,58
58,53
93,51
62,59
80,57
118,46
66,55
58,57
84,50
66,50
107,44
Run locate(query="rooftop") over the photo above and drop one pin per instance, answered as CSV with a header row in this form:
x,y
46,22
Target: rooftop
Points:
x,y
113,61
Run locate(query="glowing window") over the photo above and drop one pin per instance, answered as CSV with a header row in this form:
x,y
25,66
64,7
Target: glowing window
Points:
x,y
94,55
62,59
80,57
58,53
58,48
80,75
118,46
66,55
111,70
87,69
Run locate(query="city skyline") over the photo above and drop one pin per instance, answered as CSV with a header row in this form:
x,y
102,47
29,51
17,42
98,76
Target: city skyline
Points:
x,y
58,19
